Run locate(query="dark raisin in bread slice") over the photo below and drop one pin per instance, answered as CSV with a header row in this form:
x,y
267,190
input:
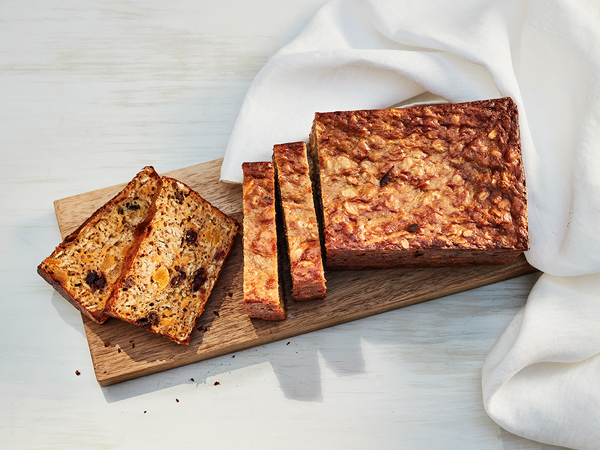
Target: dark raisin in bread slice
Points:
x,y
85,266
300,221
263,293
181,253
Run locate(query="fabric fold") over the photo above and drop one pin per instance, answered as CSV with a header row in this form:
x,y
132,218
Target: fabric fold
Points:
x,y
540,378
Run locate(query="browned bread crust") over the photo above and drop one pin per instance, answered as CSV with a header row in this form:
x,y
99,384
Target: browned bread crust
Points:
x,y
421,186
86,265
300,221
173,270
263,293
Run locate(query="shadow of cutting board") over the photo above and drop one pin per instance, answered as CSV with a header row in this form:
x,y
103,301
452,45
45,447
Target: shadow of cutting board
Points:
x,y
121,351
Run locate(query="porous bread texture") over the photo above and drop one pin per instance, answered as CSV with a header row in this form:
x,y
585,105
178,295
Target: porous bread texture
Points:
x,y
421,186
300,221
86,265
175,267
263,291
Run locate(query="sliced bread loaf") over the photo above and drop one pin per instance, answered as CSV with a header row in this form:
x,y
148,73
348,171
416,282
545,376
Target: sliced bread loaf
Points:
x,y
437,185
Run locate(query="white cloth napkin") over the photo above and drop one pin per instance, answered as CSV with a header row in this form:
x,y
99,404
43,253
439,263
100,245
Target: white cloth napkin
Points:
x,y
541,379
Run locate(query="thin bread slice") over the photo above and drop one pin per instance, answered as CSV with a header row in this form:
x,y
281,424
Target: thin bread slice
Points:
x,y
263,292
300,221
180,255
86,265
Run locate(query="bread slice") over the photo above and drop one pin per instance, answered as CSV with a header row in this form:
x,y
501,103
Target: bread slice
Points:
x,y
86,265
421,186
169,278
263,291
300,221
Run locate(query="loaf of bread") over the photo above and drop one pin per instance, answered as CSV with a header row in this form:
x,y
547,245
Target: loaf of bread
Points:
x,y
85,266
171,274
421,186
300,221
263,291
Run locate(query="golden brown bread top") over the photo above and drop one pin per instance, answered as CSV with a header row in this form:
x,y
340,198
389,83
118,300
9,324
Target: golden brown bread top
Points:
x,y
262,296
443,176
300,220
259,208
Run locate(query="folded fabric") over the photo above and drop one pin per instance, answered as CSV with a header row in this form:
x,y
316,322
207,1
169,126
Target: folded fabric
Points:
x,y
538,380
541,377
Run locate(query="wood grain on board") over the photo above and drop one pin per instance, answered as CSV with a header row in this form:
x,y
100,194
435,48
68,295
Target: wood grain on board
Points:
x,y
121,351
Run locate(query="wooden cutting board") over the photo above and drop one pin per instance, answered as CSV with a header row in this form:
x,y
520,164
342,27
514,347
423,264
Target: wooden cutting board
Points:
x,y
121,351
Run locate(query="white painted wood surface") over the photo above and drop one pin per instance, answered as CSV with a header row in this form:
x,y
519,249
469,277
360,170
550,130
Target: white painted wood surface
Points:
x,y
91,91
